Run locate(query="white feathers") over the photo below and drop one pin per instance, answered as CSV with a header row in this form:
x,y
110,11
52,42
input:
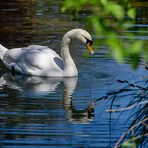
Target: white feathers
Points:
x,y
42,61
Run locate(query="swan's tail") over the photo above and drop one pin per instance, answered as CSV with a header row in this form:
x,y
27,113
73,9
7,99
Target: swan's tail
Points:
x,y
2,51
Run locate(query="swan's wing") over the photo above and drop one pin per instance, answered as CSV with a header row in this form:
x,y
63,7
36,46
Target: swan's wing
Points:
x,y
12,55
35,60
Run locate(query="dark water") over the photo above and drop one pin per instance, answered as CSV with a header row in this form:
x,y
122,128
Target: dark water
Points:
x,y
45,112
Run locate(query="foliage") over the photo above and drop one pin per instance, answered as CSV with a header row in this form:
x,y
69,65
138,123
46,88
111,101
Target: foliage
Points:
x,y
113,19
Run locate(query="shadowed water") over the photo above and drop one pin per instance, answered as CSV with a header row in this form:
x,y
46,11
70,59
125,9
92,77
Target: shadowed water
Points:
x,y
38,112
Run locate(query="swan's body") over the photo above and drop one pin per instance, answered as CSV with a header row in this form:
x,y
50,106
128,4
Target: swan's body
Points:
x,y
42,61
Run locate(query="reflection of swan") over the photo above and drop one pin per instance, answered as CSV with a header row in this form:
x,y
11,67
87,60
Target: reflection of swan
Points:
x,y
74,114
37,86
32,84
43,61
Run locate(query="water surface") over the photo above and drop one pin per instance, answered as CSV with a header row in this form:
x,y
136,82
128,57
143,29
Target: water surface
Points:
x,y
52,112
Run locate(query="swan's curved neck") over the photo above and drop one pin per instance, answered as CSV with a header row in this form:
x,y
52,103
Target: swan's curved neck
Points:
x,y
69,65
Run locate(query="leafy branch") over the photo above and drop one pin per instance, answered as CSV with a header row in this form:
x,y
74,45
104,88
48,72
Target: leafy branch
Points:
x,y
113,19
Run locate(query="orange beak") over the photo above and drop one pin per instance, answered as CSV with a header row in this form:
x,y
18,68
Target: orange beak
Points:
x,y
89,47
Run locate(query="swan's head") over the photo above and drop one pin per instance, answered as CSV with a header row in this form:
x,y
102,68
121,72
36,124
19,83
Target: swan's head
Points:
x,y
86,38
83,36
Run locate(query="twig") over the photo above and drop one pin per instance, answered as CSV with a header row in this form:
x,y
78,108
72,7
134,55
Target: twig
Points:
x,y
127,108
132,85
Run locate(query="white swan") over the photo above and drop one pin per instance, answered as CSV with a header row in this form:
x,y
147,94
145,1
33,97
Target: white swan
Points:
x,y
42,61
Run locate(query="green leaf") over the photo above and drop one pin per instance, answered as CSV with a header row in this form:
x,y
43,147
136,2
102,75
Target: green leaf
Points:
x,y
115,9
134,60
117,50
137,47
97,26
131,13
71,5
146,56
129,145
104,2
